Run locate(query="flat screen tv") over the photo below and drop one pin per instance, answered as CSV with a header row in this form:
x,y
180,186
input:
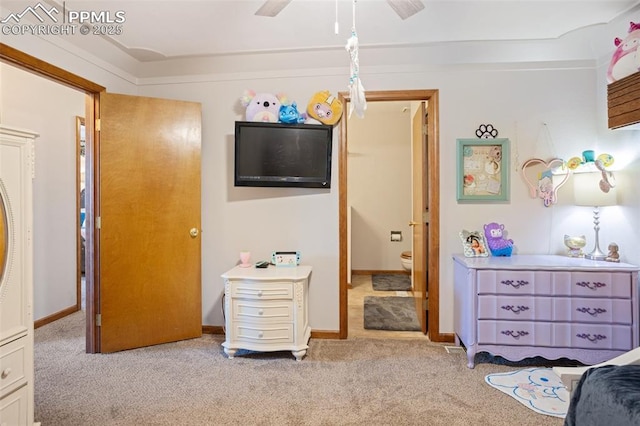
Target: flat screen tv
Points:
x,y
278,154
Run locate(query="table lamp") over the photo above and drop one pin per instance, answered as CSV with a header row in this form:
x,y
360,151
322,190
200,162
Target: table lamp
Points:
x,y
594,189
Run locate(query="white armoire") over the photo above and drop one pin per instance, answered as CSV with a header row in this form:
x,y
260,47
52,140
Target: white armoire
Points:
x,y
16,276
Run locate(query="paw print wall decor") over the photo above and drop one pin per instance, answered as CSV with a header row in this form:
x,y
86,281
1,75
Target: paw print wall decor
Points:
x,y
486,131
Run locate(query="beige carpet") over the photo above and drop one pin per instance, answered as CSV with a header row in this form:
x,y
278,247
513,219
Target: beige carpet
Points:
x,y
340,382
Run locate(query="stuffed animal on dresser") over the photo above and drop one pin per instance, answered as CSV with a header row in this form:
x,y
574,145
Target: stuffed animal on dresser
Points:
x,y
498,245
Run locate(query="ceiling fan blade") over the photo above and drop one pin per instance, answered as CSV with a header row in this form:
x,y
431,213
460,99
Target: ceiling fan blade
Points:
x,y
272,7
406,8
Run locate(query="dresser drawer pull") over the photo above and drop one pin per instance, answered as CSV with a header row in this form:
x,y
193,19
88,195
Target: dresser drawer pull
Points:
x,y
592,338
261,335
261,312
259,293
517,284
591,286
5,373
515,309
593,312
515,334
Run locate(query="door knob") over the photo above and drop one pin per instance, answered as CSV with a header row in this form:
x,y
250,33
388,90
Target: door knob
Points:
x,y
412,223
193,232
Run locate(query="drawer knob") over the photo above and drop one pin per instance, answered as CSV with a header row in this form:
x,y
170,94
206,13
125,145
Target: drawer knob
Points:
x,y
260,312
259,292
261,334
6,372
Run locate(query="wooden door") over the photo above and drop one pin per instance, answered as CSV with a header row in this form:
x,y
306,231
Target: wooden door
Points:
x,y
419,213
148,221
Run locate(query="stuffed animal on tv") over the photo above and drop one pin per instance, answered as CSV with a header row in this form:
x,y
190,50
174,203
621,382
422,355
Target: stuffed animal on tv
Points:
x,y
626,58
325,108
263,107
498,245
289,114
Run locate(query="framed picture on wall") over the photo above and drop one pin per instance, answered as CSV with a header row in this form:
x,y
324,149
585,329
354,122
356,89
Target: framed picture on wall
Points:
x,y
482,170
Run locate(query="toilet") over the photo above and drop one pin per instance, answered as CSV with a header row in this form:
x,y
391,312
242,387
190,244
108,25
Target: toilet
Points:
x,y
406,260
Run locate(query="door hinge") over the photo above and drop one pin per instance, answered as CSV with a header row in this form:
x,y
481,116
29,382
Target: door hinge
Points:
x,y
426,217
97,124
98,320
425,304
98,223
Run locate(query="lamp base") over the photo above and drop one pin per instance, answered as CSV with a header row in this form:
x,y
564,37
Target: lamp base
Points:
x,y
591,256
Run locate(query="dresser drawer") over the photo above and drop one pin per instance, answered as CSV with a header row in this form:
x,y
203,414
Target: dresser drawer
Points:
x,y
259,333
268,310
514,307
515,333
594,336
584,309
12,366
13,408
555,309
262,290
595,284
559,335
514,282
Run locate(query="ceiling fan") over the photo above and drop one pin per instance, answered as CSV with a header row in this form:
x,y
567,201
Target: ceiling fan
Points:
x,y
404,8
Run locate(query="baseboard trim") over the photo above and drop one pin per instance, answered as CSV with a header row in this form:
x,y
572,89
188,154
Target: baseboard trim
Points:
x,y
442,338
212,329
316,334
375,272
54,317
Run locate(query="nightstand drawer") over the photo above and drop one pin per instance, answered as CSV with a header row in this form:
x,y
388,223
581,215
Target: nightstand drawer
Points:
x,y
277,333
12,366
14,408
262,291
269,310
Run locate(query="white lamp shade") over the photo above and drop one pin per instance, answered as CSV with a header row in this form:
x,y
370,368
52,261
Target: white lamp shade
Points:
x,y
587,191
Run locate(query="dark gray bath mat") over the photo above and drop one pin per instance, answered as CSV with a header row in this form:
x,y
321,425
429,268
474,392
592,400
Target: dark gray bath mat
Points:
x,y
390,313
391,282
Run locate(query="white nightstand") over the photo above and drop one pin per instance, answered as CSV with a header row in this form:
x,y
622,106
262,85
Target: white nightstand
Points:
x,y
267,309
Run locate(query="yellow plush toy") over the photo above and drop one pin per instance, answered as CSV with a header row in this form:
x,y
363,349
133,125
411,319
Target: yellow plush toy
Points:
x,y
325,108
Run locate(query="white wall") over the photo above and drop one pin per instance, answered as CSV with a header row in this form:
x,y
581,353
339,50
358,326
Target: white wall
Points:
x,y
38,104
379,185
523,100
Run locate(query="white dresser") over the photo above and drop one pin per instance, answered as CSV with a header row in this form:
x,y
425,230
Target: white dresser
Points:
x,y
16,276
267,309
543,305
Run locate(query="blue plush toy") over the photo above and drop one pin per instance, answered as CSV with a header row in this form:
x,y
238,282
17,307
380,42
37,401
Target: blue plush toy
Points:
x,y
289,114
498,245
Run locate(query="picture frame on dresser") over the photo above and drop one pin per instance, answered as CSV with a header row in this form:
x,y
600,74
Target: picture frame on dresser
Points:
x,y
482,170
473,244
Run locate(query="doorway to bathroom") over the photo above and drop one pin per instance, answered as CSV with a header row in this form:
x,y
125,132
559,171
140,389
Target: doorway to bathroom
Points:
x,y
420,225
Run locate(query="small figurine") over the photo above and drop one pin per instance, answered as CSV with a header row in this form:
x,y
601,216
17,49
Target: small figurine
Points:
x,y
613,255
575,244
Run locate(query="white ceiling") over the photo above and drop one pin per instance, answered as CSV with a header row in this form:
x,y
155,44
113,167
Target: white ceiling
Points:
x,y
156,30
